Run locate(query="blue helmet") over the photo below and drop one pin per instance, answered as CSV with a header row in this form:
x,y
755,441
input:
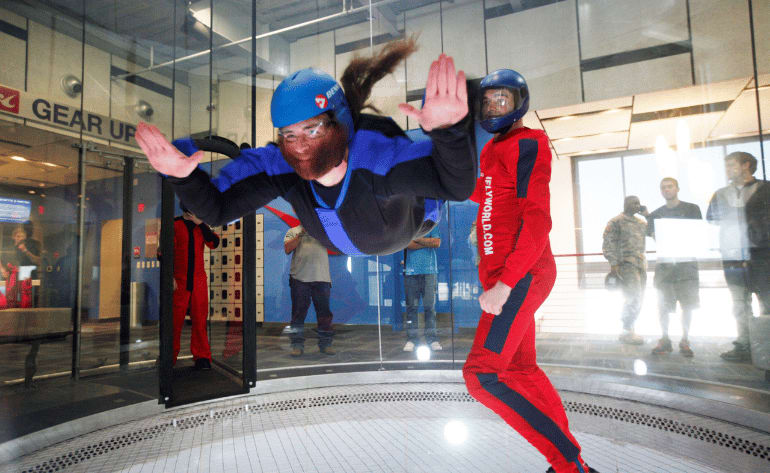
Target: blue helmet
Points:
x,y
307,93
515,83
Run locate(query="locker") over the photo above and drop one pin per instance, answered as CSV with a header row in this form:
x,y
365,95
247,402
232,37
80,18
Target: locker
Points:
x,y
215,294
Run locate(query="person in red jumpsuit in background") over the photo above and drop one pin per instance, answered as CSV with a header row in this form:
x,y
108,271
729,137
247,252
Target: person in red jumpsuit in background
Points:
x,y
191,285
517,271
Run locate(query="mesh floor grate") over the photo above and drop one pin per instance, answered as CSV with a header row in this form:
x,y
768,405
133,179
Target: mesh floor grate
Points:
x,y
62,462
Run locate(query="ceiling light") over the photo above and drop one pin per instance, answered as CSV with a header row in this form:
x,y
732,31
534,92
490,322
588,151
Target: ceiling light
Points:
x,y
42,184
682,138
203,15
18,158
52,165
31,191
566,117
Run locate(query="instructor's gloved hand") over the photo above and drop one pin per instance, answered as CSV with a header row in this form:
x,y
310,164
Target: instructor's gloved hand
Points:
x,y
163,156
492,300
446,97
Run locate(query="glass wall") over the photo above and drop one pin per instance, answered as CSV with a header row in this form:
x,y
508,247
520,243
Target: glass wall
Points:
x,y
624,104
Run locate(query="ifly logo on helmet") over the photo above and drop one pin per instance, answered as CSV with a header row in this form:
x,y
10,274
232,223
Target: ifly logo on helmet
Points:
x,y
322,101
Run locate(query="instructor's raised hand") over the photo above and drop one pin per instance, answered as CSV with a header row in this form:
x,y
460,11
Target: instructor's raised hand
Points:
x,y
163,156
446,97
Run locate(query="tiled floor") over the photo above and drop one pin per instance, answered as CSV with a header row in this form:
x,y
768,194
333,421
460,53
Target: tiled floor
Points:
x,y
398,428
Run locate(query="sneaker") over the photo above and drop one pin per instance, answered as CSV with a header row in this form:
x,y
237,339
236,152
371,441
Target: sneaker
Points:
x,y
630,338
409,346
435,346
297,351
328,350
203,364
685,350
740,353
663,347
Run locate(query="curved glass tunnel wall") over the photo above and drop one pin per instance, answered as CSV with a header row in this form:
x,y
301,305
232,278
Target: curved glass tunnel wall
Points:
x,y
623,106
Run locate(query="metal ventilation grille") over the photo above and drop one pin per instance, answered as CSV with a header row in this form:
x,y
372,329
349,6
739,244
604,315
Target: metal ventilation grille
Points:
x,y
62,462
660,423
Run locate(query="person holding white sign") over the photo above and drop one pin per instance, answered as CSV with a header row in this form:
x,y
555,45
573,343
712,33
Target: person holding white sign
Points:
x,y
676,276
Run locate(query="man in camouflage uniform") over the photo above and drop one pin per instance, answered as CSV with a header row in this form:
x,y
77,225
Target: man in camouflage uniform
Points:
x,y
624,247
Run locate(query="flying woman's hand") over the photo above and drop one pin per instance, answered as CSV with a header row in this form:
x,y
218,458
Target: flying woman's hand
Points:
x,y
163,156
446,97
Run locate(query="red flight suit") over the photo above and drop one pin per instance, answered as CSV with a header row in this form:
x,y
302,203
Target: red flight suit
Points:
x,y
18,294
512,226
191,284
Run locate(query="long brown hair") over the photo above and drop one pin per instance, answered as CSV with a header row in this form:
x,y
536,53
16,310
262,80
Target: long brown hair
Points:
x,y
363,72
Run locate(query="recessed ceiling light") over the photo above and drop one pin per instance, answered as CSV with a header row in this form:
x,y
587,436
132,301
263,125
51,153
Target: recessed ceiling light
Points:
x,y
18,158
31,191
42,184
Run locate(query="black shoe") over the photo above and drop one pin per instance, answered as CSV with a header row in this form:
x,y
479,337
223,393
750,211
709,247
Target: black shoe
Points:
x,y
740,353
663,347
203,364
328,350
590,470
685,350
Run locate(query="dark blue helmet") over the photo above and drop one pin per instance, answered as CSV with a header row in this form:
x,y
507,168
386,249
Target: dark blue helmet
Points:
x,y
513,82
307,93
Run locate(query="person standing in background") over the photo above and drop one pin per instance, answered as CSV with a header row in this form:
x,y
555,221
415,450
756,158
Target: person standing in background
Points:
x,y
420,276
624,247
728,209
309,279
191,285
676,278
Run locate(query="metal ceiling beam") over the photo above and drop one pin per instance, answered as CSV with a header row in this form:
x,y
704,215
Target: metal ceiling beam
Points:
x,y
346,11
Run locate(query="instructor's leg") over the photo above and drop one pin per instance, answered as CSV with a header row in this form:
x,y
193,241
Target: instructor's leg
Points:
x,y
501,373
